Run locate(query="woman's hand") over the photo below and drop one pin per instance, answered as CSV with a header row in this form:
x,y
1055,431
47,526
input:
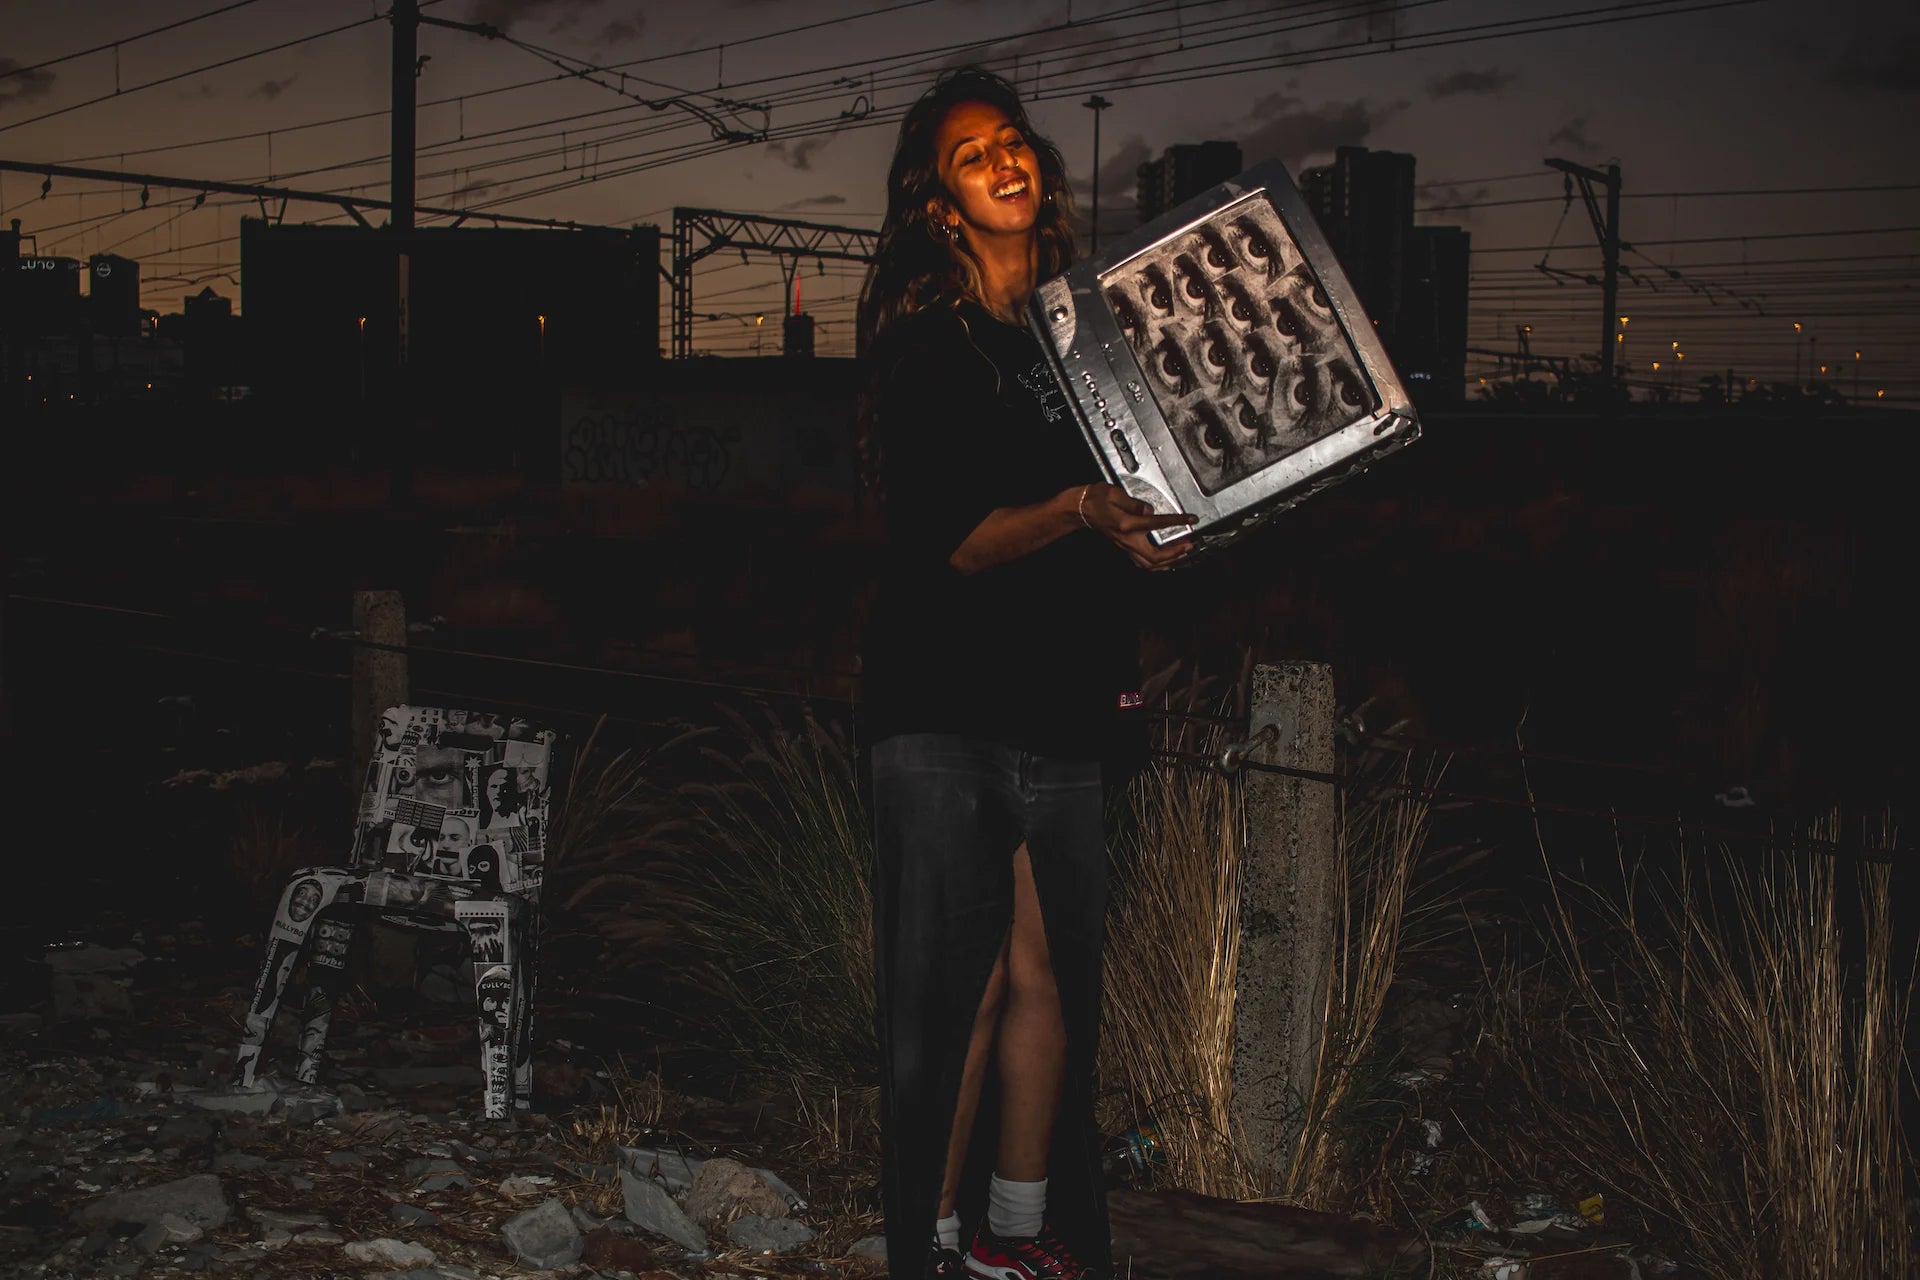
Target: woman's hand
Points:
x,y
1127,522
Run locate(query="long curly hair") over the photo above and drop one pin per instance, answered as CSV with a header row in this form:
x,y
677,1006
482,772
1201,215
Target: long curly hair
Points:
x,y
917,265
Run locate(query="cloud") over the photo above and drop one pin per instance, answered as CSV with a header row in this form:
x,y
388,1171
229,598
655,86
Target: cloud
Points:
x,y
22,86
1283,127
798,155
1445,199
1574,134
1490,81
624,30
1119,183
813,202
507,14
271,89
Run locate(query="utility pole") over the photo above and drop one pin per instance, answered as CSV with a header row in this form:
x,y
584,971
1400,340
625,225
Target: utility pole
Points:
x,y
1607,228
1096,104
400,195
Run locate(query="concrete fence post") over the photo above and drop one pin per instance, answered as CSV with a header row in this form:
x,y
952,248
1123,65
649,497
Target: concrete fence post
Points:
x,y
380,680
1290,894
379,673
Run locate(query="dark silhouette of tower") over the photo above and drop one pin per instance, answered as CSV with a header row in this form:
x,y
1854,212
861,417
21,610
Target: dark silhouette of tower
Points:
x,y
1411,280
1183,172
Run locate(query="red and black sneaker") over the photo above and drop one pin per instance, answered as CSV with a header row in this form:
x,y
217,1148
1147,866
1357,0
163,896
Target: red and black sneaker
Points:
x,y
946,1264
1043,1257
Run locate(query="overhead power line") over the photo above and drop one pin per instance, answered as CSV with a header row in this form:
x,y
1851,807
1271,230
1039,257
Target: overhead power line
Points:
x,y
196,71
127,40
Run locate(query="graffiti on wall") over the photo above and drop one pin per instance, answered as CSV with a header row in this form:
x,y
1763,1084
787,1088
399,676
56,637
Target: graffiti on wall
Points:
x,y
645,445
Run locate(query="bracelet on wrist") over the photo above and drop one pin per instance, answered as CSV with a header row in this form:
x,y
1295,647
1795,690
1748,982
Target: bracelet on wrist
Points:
x,y
1082,505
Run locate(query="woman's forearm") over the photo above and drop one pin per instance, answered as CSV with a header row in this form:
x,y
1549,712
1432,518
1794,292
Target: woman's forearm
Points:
x,y
1011,532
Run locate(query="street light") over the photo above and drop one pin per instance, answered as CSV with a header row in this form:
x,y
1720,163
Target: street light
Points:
x,y
1096,104
1796,356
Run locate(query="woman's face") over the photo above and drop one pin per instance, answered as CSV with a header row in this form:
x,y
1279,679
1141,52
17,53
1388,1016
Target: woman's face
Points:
x,y
989,171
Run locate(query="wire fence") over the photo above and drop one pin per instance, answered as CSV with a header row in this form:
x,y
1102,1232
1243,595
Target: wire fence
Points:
x,y
1786,830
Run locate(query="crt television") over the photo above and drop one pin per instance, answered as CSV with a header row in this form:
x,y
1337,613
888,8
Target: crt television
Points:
x,y
1219,362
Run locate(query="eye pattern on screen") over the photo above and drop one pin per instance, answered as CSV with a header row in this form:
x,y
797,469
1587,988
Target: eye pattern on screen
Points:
x,y
1244,353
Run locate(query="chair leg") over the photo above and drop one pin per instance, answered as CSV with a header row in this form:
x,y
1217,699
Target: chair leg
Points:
x,y
308,892
496,994
528,955
328,966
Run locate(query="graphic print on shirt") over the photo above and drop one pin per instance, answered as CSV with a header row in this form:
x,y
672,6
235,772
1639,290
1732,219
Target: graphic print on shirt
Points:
x,y
1053,401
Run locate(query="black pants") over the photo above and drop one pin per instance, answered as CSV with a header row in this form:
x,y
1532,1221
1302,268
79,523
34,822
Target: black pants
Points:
x,y
949,813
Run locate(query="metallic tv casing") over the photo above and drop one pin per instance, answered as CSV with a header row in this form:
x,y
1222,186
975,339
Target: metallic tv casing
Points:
x,y
1123,406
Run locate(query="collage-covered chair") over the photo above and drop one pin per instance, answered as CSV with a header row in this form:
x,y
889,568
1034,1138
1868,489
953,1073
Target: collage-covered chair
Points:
x,y
452,835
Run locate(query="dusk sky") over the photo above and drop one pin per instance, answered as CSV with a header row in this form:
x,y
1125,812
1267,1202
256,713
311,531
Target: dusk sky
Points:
x,y
1693,99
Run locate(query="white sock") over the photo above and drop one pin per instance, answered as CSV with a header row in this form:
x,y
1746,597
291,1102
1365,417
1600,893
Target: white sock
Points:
x,y
1015,1209
946,1232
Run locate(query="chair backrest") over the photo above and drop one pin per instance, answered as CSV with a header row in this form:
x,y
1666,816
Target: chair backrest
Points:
x,y
458,795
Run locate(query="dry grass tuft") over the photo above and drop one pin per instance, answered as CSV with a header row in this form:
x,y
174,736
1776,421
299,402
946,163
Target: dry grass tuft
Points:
x,y
771,889
265,851
1173,953
1721,1049
1173,933
1382,834
639,1106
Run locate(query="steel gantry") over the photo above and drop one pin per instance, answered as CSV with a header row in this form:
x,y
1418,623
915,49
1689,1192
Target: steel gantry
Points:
x,y
790,241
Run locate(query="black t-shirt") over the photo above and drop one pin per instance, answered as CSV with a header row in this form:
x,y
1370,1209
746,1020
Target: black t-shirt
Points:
x,y
1037,652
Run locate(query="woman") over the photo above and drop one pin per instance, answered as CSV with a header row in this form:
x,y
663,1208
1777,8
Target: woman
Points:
x,y
998,660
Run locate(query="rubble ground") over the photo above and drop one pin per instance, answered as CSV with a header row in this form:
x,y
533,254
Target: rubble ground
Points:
x,y
123,1151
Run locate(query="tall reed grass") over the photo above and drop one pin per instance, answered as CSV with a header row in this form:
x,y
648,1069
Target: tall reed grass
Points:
x,y
1721,1049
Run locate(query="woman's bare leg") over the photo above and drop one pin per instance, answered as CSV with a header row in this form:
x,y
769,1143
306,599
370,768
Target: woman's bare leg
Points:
x,y
972,1077
1032,1051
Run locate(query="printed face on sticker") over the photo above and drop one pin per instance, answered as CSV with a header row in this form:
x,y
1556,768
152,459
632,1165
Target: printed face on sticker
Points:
x,y
496,995
438,775
303,901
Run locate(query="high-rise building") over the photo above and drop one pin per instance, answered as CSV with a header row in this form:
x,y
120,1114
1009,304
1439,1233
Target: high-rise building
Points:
x,y
1411,280
113,295
1183,172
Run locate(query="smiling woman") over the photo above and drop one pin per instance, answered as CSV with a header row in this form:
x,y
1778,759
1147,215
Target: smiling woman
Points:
x,y
1001,670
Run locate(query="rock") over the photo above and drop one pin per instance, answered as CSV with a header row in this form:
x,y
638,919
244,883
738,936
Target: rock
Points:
x,y
428,1077
525,1184
183,1131
303,1104
199,1200
412,1215
390,1253
544,1237
870,1248
768,1235
725,1189
667,1166
347,1159
92,959
168,1228
19,1024
437,1174
324,1235
238,1160
650,1208
88,997
279,1220
255,1101
609,1251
